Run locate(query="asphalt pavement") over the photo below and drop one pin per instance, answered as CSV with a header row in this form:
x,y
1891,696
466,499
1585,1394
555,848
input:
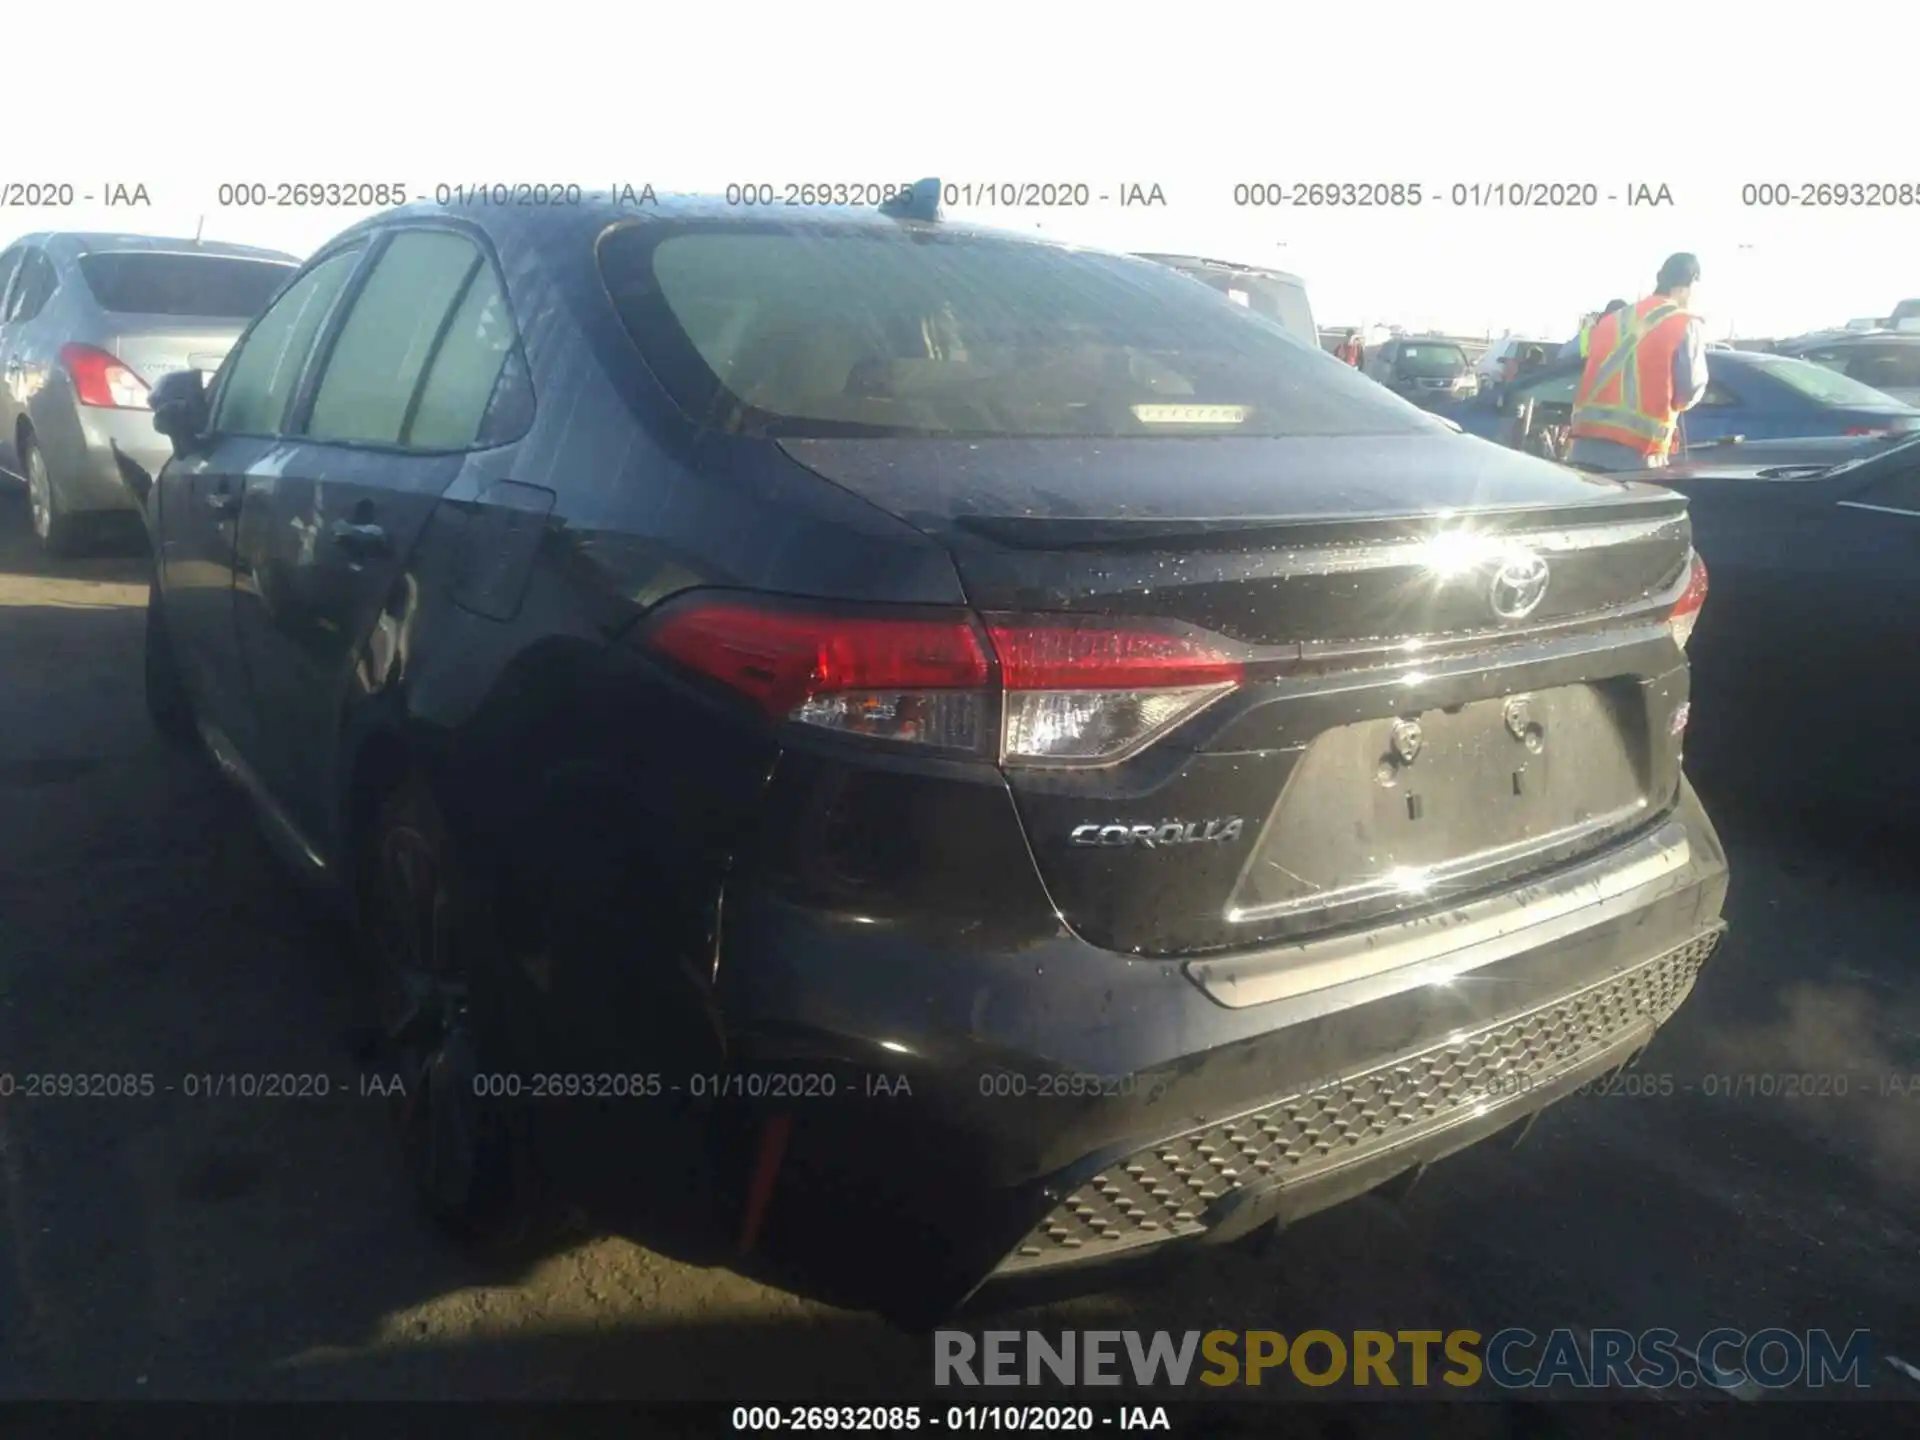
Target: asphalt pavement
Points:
x,y
177,1245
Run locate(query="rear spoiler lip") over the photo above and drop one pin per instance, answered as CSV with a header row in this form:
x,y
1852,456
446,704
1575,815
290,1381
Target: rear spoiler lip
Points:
x,y
1030,532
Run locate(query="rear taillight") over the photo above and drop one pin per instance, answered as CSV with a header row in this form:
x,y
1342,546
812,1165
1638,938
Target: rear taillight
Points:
x,y
1868,430
101,380
1065,691
1686,610
909,678
1093,692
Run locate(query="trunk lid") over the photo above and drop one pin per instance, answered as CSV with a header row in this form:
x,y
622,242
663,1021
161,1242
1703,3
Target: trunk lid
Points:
x,y
156,345
1398,738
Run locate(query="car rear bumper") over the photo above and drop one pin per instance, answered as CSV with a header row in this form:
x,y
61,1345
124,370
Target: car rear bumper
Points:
x,y
88,451
1069,1105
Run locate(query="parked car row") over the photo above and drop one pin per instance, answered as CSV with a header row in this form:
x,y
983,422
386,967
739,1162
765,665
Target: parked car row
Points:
x,y
87,324
1050,665
1750,396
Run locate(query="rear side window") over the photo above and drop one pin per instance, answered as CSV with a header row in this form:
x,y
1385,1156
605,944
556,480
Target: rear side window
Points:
x,y
223,287
1821,385
258,378
465,374
389,336
835,330
33,286
9,265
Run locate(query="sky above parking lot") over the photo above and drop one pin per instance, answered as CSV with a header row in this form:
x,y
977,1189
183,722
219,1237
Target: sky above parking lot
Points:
x,y
1195,102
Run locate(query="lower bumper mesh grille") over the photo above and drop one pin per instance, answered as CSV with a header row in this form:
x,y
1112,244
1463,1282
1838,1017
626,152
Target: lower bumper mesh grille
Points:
x,y
1168,1191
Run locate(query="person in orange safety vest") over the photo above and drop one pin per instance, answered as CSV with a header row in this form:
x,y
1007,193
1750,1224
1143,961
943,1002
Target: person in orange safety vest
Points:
x,y
1646,365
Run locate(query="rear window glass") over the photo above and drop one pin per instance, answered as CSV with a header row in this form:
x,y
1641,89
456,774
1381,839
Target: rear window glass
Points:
x,y
224,287
797,330
1817,383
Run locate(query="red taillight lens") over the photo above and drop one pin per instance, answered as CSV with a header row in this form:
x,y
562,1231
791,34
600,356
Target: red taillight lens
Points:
x,y
1062,655
1686,610
101,380
1868,430
904,677
1076,692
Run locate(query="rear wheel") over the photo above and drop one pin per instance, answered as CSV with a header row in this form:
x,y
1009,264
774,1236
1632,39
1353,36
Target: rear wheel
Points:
x,y
168,705
56,531
432,952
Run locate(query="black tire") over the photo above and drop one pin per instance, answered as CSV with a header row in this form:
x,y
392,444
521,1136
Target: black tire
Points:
x,y
56,532
168,704
433,955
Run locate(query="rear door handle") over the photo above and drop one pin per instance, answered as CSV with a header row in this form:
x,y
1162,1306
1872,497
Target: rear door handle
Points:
x,y
224,502
359,540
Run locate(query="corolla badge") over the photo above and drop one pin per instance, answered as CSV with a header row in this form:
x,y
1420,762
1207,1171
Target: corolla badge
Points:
x,y
1519,585
1167,832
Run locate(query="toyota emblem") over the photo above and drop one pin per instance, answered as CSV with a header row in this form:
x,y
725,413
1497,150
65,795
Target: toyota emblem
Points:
x,y
1519,585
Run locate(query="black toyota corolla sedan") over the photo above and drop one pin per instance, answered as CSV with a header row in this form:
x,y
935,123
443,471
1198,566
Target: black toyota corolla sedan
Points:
x,y
1007,733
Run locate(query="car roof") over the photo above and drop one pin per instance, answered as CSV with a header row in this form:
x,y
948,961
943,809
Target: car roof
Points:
x,y
538,225
71,244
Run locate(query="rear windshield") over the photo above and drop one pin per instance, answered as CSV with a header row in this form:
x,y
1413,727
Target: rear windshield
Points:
x,y
822,331
1820,384
223,287
1430,360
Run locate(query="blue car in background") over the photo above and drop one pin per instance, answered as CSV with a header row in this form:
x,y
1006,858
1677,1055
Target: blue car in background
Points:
x,y
1750,395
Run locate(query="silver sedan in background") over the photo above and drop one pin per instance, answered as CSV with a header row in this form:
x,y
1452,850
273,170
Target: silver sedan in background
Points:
x,y
88,323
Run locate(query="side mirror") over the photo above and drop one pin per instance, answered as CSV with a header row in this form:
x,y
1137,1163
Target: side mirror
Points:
x,y
180,413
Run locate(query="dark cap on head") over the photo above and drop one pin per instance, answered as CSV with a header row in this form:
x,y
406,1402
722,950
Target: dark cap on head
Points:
x,y
1613,305
1681,269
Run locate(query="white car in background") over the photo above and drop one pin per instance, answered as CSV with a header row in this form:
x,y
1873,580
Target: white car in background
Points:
x,y
1491,367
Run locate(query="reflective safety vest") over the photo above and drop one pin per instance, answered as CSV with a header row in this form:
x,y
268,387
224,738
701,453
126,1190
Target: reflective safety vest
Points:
x,y
1626,388
1586,338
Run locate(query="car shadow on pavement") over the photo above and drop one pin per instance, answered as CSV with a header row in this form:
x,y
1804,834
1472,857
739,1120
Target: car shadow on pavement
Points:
x,y
116,558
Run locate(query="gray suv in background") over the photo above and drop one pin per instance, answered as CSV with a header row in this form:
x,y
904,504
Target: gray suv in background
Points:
x,y
1273,293
87,324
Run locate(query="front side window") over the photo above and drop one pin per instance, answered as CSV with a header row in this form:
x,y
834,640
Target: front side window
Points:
x,y
382,351
795,330
259,377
